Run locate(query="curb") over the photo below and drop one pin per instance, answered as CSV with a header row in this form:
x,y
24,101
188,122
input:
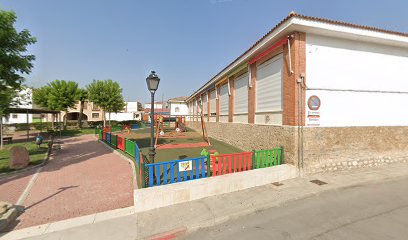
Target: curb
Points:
x,y
66,224
214,221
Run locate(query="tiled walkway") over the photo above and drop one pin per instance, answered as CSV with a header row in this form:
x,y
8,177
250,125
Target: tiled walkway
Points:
x,y
84,177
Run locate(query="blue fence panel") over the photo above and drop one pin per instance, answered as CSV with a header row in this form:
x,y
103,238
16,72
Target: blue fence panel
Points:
x,y
108,137
137,155
163,173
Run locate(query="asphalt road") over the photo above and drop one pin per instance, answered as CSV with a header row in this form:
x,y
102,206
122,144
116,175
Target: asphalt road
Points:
x,y
375,211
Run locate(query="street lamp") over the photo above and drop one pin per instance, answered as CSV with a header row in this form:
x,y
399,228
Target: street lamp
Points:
x,y
152,84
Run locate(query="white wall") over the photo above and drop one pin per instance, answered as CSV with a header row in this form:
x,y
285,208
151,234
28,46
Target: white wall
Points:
x,y
183,109
345,71
123,116
132,106
25,101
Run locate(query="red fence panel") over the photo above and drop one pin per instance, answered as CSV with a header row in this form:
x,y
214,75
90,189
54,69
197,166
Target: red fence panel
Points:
x,y
230,163
121,143
104,136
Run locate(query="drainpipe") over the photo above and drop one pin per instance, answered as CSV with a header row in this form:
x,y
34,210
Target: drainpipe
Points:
x,y
300,82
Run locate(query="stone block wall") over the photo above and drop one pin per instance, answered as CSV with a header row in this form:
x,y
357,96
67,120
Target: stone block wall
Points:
x,y
339,148
324,149
250,136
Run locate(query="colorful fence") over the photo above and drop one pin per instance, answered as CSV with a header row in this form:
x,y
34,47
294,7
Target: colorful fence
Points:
x,y
121,143
163,173
108,138
268,158
130,147
230,163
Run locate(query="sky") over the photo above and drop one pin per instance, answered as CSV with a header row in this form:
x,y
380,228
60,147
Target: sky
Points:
x,y
186,42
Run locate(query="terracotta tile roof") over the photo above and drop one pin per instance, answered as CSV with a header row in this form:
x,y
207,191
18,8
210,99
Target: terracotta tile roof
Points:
x,y
325,20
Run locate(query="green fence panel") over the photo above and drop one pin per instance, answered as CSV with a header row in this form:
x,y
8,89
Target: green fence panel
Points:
x,y
268,158
130,147
114,140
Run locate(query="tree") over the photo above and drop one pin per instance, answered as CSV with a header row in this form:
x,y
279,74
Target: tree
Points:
x,y
82,96
40,96
107,94
13,61
58,95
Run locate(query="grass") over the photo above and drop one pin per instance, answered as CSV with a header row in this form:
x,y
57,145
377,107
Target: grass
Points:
x,y
37,155
142,137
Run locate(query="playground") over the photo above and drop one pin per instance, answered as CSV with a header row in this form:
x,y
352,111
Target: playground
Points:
x,y
183,154
175,145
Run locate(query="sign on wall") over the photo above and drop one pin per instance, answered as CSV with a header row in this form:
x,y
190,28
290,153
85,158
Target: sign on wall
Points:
x,y
313,103
185,166
313,115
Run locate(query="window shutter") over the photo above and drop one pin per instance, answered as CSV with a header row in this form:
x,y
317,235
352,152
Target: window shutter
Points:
x,y
241,94
269,85
205,105
213,102
224,99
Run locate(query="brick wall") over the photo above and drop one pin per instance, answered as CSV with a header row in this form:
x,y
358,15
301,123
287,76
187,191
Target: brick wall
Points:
x,y
291,111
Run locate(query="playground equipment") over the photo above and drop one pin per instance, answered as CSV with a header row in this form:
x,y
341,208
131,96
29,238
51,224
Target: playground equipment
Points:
x,y
179,128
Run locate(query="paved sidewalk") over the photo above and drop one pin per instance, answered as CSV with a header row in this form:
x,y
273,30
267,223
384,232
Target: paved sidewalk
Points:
x,y
82,178
187,217
12,186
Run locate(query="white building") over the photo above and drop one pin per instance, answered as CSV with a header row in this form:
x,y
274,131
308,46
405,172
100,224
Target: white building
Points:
x,y
157,105
333,94
356,75
132,111
178,106
25,99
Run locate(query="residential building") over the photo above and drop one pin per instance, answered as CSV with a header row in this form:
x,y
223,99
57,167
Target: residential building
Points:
x,y
178,106
332,93
92,112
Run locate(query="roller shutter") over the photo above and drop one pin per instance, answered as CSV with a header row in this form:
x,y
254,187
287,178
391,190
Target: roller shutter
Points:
x,y
205,104
213,103
269,85
241,94
223,98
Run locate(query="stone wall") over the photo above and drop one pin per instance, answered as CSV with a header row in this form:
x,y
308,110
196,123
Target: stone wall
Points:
x,y
324,149
337,148
250,136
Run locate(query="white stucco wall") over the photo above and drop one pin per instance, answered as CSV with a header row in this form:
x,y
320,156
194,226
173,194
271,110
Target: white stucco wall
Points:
x,y
25,101
361,84
124,116
183,109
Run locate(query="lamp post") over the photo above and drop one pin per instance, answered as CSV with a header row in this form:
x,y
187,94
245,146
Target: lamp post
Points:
x,y
152,84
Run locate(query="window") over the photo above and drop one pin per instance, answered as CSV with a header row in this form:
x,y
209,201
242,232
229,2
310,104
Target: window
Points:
x,y
213,103
95,115
205,104
269,85
241,94
177,109
15,116
224,98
